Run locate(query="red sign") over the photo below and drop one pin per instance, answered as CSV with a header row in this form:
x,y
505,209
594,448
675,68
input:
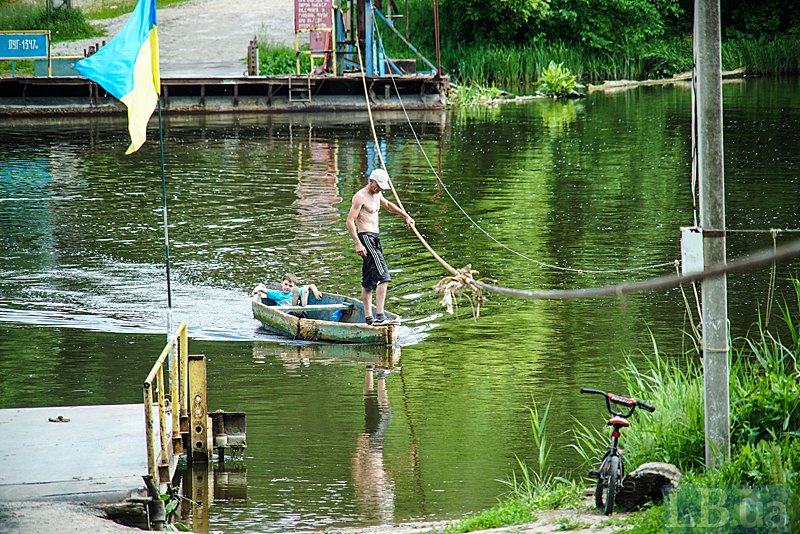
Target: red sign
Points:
x,y
312,14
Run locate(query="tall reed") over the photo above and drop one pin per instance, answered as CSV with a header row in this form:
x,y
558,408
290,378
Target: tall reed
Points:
x,y
673,433
516,67
764,399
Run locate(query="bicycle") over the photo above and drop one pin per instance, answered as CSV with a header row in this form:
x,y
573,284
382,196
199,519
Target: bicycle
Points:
x,y
612,468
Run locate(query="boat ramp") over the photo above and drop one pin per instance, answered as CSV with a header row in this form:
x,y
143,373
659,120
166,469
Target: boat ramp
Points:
x,y
120,457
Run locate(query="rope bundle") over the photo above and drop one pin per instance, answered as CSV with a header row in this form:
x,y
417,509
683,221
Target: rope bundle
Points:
x,y
452,287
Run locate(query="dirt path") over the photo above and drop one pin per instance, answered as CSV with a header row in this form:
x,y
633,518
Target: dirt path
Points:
x,y
57,518
204,37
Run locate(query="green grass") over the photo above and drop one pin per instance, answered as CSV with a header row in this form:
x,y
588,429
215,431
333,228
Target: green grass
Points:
x,y
22,68
570,523
778,56
765,431
107,9
516,68
508,512
275,58
64,24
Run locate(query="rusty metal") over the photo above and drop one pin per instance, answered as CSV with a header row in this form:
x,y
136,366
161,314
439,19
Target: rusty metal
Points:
x,y
159,454
199,434
229,431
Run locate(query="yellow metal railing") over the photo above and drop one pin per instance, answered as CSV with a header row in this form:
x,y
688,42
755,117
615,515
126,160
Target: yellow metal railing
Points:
x,y
177,349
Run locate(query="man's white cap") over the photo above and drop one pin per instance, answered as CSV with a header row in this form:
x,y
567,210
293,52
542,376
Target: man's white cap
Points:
x,y
381,177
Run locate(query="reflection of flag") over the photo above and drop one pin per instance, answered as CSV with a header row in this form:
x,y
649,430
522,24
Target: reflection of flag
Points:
x,y
127,67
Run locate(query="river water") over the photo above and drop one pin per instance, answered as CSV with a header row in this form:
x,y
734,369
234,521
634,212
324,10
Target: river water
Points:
x,y
544,195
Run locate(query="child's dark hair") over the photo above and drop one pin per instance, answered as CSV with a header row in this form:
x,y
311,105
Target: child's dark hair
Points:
x,y
290,277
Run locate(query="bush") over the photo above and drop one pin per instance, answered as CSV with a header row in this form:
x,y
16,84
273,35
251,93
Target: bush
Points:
x,y
275,59
557,81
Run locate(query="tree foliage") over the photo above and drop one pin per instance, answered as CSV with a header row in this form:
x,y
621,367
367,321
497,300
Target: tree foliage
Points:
x,y
595,24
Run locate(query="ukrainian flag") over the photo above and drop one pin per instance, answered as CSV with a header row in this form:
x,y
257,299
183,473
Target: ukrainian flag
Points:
x,y
127,67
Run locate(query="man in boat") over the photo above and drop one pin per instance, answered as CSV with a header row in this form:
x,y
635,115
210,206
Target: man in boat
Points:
x,y
362,224
286,296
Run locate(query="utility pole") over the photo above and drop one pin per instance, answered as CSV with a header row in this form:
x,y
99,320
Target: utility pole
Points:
x,y
708,80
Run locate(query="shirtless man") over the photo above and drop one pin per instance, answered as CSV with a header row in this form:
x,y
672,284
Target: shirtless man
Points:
x,y
362,224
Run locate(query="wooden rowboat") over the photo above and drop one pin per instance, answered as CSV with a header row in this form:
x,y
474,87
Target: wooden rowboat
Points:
x,y
332,318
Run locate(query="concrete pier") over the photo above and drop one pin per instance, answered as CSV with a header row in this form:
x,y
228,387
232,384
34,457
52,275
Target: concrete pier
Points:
x,y
95,454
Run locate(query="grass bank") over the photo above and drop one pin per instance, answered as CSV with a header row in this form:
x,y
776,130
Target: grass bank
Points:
x,y
516,68
64,24
765,430
106,9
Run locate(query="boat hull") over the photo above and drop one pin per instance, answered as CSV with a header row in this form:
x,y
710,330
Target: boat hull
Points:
x,y
350,328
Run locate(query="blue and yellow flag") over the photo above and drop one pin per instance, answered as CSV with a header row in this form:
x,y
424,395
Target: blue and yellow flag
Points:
x,y
127,67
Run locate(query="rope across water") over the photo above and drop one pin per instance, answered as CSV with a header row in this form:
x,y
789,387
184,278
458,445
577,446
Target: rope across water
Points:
x,y
464,278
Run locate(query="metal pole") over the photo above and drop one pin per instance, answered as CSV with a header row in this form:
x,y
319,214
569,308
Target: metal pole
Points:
x,y
164,214
369,41
436,38
708,73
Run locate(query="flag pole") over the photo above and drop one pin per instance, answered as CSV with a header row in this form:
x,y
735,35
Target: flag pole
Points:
x,y
164,209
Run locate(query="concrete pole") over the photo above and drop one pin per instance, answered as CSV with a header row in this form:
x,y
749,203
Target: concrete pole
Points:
x,y
708,79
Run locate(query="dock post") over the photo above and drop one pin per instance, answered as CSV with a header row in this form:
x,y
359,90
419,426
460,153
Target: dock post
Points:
x,y
200,487
199,432
156,510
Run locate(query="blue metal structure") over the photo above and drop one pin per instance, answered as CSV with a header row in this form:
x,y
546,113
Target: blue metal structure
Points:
x,y
355,22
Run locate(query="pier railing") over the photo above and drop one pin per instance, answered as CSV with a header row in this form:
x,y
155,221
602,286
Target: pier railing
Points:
x,y
170,410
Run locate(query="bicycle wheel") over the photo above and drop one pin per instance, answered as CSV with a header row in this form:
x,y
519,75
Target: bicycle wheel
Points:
x,y
609,478
602,483
614,480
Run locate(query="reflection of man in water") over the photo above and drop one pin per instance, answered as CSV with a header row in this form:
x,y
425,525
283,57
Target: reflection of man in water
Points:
x,y
374,489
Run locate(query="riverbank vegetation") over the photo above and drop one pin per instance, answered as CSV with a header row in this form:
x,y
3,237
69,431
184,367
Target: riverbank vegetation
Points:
x,y
509,44
106,9
765,429
64,24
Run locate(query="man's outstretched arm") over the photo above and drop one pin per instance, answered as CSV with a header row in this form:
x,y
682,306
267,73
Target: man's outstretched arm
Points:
x,y
394,208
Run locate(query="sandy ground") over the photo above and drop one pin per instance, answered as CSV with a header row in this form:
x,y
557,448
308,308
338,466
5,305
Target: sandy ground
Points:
x,y
55,518
204,37
62,518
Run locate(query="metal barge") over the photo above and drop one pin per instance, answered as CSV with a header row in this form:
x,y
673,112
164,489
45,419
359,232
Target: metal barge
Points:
x,y
77,95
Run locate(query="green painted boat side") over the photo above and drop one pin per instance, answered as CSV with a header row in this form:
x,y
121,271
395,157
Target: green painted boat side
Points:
x,y
350,328
276,321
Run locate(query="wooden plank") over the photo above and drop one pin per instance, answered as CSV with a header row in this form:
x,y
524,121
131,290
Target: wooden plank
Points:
x,y
100,455
313,307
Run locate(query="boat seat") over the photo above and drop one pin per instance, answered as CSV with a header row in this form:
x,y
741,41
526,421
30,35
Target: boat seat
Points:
x,y
313,307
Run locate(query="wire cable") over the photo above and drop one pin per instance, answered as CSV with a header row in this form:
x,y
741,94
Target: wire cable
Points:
x,y
476,225
759,259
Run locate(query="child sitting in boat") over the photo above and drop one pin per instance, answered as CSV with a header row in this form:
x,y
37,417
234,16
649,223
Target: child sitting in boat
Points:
x,y
288,294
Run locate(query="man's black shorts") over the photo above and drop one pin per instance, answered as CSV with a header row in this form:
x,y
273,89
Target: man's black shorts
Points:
x,y
373,269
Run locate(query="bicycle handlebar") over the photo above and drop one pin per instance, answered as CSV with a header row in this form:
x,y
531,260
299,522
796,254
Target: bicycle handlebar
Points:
x,y
618,399
647,407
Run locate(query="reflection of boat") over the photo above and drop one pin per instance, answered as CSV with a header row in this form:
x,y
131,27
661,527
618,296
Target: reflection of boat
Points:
x,y
332,318
294,355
